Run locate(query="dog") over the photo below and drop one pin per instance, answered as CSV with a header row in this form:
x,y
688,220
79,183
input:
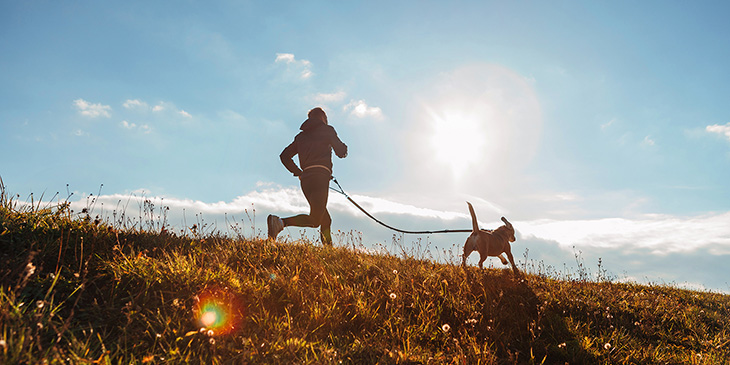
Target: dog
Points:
x,y
490,243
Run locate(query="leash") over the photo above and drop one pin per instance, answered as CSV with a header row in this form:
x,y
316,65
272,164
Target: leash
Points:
x,y
342,191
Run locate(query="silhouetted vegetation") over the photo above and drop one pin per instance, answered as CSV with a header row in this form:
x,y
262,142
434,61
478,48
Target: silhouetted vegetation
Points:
x,y
77,289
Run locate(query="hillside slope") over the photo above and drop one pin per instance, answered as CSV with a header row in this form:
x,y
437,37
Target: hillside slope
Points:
x,y
73,290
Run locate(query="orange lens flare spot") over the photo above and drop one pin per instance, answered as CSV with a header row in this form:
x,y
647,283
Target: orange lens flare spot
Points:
x,y
219,310
208,318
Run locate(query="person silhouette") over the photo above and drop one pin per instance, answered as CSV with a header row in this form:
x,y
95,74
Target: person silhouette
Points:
x,y
314,145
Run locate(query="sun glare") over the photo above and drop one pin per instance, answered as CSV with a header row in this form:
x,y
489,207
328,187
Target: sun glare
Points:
x,y
458,139
475,123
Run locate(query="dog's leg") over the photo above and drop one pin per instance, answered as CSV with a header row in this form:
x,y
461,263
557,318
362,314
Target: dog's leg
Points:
x,y
481,260
467,252
512,261
469,247
504,260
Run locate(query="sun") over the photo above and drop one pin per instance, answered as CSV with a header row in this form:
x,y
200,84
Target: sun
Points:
x,y
460,138
476,125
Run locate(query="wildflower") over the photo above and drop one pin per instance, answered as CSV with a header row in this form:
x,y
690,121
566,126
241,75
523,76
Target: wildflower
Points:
x,y
562,345
210,333
30,268
212,341
3,344
39,304
446,327
202,330
636,323
392,296
395,272
471,321
607,346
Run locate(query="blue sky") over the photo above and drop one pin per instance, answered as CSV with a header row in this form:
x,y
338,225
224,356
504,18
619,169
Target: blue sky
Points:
x,y
594,127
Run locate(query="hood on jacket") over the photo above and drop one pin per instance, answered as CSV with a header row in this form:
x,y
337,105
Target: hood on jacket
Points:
x,y
311,124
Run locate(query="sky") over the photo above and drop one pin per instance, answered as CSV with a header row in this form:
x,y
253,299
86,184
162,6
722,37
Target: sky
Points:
x,y
599,129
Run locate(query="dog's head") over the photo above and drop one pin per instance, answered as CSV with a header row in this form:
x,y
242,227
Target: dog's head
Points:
x,y
510,230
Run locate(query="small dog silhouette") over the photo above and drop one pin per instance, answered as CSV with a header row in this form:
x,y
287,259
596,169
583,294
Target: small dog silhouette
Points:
x,y
490,243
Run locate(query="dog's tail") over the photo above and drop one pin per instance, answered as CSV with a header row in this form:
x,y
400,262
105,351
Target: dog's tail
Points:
x,y
474,224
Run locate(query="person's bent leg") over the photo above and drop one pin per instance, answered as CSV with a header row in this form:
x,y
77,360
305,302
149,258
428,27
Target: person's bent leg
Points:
x,y
315,187
320,217
325,228
301,220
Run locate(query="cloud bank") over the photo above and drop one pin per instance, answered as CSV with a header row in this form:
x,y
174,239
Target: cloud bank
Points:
x,y
652,248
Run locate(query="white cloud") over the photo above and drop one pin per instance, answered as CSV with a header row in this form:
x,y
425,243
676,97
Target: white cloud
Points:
x,y
719,129
127,125
329,98
92,110
302,67
360,109
80,133
144,128
284,57
169,109
648,141
135,104
661,234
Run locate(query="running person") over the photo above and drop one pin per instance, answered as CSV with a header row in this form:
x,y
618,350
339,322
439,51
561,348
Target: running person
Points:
x,y
314,145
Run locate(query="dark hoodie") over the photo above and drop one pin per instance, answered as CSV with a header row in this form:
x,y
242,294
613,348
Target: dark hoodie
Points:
x,y
314,145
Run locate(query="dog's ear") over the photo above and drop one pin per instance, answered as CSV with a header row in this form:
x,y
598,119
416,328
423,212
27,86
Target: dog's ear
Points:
x,y
506,222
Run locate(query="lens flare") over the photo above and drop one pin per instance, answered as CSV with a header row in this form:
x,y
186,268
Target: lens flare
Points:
x,y
218,310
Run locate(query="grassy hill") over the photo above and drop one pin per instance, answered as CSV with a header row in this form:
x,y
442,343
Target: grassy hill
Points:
x,y
74,289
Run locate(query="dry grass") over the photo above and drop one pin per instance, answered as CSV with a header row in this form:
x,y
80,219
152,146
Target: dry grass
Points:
x,y
76,290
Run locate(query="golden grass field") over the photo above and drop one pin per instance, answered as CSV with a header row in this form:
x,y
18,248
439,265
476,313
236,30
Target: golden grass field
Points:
x,y
76,289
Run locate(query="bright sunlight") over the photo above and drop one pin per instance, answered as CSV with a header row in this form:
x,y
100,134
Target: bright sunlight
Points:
x,y
459,139
474,121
